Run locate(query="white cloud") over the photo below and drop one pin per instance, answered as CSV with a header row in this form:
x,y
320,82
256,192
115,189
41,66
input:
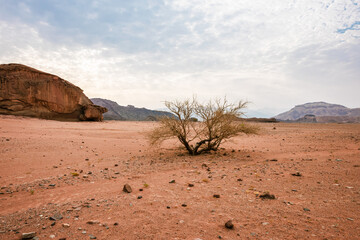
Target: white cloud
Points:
x,y
274,53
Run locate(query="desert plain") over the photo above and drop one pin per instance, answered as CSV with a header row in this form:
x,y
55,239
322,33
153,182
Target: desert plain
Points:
x,y
64,180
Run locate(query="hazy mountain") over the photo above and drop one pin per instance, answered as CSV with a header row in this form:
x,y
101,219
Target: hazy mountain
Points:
x,y
128,113
322,111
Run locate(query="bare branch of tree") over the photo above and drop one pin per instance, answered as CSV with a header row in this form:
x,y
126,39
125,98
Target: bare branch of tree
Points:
x,y
219,121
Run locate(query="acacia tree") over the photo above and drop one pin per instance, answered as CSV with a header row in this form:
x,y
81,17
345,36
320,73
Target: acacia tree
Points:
x,y
219,120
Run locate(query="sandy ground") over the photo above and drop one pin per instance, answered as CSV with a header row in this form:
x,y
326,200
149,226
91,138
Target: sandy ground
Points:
x,y
39,158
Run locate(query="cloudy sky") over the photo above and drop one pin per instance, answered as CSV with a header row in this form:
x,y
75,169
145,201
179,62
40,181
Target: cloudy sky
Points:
x,y
273,53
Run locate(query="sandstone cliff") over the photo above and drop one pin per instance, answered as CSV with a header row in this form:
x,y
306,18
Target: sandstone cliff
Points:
x,y
29,92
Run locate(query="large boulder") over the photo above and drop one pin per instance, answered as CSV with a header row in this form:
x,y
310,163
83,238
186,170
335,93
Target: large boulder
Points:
x,y
29,92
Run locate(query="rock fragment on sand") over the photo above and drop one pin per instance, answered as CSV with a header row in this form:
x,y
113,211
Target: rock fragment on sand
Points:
x,y
66,225
297,174
57,216
229,224
267,196
28,235
92,236
127,188
216,195
92,222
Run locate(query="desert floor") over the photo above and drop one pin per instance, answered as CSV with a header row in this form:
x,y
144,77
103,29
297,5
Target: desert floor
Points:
x,y
40,192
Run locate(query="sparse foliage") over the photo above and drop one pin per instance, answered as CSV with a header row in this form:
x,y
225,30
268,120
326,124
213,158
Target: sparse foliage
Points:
x,y
218,121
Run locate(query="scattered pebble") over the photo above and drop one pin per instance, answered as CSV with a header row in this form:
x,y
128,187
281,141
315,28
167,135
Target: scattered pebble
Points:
x,y
127,188
267,196
66,225
92,236
92,222
229,225
306,209
172,181
28,235
216,195
56,217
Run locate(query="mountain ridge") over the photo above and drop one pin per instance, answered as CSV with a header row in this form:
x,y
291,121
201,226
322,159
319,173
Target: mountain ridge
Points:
x,y
129,112
320,109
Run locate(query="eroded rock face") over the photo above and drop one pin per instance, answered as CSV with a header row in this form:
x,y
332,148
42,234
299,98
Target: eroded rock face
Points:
x,y
26,91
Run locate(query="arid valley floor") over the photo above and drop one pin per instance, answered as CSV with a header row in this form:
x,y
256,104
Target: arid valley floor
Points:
x,y
64,180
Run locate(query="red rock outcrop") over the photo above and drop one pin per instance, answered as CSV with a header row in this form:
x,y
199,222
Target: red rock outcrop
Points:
x,y
29,92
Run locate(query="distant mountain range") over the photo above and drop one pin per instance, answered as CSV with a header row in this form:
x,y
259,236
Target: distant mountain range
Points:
x,y
320,112
128,113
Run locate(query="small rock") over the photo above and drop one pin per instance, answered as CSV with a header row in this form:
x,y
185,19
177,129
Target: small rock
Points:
x,y
239,180
52,185
127,188
306,209
191,185
298,174
216,195
183,205
52,236
83,232
141,189
53,224
28,235
66,225
92,222
115,224
172,181
92,236
350,219
56,217
62,238
229,225
273,160
265,223
139,197
168,207
267,196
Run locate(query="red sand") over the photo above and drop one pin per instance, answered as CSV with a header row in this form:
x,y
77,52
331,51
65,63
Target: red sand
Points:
x,y
36,153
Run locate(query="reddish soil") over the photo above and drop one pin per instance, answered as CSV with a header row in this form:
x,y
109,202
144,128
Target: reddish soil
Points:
x,y
322,200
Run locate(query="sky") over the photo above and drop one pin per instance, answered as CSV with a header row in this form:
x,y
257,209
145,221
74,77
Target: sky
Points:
x,y
273,53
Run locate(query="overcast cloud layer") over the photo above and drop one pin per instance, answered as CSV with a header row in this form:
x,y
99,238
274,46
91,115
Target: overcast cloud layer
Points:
x,y
275,53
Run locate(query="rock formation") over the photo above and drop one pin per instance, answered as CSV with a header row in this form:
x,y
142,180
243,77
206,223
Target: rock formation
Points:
x,y
25,91
129,113
319,109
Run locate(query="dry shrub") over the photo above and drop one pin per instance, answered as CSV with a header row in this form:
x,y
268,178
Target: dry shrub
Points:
x,y
218,121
